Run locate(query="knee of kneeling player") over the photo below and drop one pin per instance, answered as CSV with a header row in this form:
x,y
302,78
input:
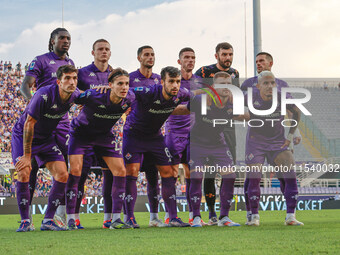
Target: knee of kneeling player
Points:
x,y
62,176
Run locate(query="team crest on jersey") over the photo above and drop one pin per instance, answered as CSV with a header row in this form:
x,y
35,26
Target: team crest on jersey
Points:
x,y
45,97
156,80
233,75
191,162
124,106
250,156
136,80
54,106
52,62
92,74
128,156
176,101
157,102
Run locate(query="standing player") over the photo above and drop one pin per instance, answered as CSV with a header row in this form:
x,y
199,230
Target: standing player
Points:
x,y
42,72
269,142
89,77
142,134
143,77
177,127
33,137
264,62
91,130
207,141
224,56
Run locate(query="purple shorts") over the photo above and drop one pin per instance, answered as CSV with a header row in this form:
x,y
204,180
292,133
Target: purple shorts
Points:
x,y
104,145
44,151
134,147
179,146
256,154
62,136
210,155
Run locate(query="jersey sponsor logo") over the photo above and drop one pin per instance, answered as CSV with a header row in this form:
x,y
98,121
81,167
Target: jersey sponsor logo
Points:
x,y
54,106
45,97
107,116
55,116
136,80
156,80
52,62
167,110
92,74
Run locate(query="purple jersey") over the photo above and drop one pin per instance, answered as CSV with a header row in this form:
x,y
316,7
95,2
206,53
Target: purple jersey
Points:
x,y
90,77
44,68
271,131
151,110
251,83
181,124
47,108
99,114
137,79
203,131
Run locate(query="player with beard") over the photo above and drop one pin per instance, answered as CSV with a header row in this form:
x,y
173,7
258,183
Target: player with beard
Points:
x,y
224,54
142,134
42,72
207,142
177,127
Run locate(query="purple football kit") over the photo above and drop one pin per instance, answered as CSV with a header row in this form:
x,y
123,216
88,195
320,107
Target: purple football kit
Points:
x,y
142,134
47,108
91,130
137,79
208,143
177,127
90,77
262,143
44,69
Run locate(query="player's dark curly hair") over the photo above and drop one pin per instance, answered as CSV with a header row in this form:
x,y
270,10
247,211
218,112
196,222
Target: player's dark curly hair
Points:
x,y
53,34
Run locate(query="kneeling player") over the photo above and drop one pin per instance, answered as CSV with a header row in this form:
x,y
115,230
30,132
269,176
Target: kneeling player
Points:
x,y
269,142
91,129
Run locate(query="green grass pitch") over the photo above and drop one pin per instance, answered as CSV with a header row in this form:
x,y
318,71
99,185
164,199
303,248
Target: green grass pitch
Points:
x,y
320,235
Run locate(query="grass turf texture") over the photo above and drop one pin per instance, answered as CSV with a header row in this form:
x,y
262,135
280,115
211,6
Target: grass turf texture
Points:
x,y
320,235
